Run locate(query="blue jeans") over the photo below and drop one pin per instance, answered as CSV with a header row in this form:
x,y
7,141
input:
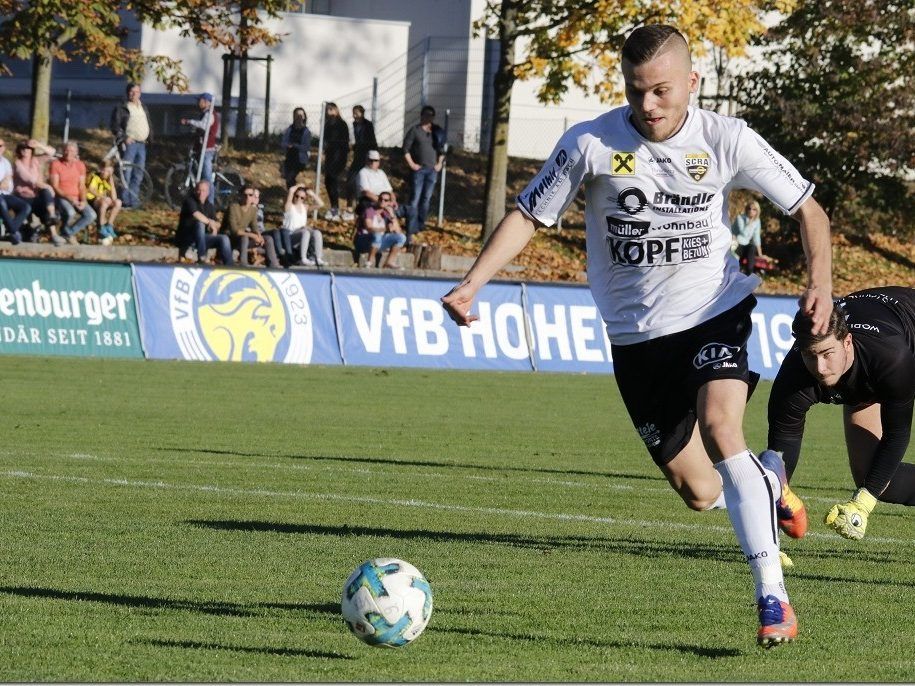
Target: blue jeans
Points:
x,y
203,240
134,153
207,173
13,212
68,211
423,187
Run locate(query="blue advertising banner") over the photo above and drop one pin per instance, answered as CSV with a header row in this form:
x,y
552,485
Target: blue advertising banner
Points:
x,y
195,313
567,330
67,308
771,338
400,322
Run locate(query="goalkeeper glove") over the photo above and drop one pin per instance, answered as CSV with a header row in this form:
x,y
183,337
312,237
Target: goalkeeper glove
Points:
x,y
850,519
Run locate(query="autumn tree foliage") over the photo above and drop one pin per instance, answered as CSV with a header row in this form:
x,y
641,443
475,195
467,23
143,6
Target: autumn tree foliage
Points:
x,y
835,95
92,30
576,43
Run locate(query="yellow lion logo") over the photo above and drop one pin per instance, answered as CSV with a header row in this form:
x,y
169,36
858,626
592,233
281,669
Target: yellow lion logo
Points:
x,y
241,316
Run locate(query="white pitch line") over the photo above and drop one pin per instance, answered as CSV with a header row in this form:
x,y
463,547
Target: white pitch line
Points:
x,y
385,472
422,504
419,472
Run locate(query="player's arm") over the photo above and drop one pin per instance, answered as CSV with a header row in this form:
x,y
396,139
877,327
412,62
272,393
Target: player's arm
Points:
x,y
817,298
896,402
793,394
511,235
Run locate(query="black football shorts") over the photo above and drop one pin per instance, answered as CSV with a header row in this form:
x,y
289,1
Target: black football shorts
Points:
x,y
659,379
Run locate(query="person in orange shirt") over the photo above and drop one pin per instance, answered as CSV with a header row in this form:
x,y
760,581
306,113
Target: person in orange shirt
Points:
x,y
68,179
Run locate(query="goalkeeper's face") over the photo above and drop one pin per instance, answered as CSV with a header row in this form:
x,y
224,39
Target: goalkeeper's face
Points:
x,y
829,359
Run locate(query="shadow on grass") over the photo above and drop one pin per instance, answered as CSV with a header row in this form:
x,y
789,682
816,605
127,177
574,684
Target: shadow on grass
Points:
x,y
855,580
565,642
629,546
209,608
420,463
265,650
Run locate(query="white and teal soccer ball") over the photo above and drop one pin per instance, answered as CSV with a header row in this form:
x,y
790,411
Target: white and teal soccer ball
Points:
x,y
386,602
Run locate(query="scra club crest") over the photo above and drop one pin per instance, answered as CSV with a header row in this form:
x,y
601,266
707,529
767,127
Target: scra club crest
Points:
x,y
697,164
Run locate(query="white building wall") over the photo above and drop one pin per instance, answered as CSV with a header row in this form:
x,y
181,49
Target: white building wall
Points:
x,y
320,58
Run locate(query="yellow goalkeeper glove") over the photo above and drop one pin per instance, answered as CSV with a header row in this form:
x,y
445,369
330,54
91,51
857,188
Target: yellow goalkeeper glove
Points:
x,y
850,519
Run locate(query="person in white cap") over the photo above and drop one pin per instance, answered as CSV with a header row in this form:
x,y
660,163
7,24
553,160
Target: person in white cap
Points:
x,y
371,181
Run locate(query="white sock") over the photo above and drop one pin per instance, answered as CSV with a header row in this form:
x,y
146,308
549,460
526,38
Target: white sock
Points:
x,y
719,503
751,508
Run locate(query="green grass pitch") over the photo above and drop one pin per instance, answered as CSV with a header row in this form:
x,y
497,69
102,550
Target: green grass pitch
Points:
x,y
196,522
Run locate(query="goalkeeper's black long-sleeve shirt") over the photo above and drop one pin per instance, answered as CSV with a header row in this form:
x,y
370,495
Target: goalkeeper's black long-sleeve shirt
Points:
x,y
882,324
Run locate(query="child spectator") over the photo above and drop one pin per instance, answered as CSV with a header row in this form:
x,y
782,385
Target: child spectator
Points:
x,y
104,198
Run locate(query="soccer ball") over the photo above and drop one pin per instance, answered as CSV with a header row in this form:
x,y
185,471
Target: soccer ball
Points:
x,y
386,602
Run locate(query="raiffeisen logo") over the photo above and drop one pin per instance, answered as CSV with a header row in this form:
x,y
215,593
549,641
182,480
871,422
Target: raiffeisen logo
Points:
x,y
234,315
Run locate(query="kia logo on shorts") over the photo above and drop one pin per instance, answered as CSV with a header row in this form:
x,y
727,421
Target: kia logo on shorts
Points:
x,y
714,352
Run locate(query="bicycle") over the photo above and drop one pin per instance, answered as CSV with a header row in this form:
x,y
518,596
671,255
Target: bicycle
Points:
x,y
181,177
122,173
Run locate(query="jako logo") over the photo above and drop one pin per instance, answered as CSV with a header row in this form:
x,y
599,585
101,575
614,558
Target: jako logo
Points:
x,y
714,352
220,314
549,180
757,556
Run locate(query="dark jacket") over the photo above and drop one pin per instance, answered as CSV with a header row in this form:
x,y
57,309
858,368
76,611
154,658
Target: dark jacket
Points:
x,y
119,116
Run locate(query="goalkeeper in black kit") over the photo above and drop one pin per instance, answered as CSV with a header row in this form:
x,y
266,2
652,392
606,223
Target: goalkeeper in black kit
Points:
x,y
865,362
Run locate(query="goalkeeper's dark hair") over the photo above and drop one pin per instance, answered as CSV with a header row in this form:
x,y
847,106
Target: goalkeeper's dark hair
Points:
x,y
802,326
647,41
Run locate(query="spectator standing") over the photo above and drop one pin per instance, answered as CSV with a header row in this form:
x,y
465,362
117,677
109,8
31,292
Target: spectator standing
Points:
x,y
30,185
209,134
336,150
103,196
746,230
378,230
363,142
14,211
68,179
423,150
198,228
296,145
132,129
295,227
241,225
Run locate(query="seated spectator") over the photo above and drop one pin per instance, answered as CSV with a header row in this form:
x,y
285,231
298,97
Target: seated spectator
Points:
x,y
295,227
240,224
14,211
68,179
378,230
30,185
198,228
104,198
296,146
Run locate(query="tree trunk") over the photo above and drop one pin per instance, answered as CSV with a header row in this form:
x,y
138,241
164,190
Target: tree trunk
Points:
x,y
40,114
497,170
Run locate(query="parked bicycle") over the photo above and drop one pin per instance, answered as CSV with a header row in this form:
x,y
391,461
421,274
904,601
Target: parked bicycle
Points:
x,y
122,174
181,177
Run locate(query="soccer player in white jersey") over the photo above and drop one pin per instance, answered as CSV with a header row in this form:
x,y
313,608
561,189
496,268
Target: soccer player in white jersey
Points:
x,y
657,174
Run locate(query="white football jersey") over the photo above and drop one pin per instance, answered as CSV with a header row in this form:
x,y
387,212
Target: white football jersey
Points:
x,y
658,231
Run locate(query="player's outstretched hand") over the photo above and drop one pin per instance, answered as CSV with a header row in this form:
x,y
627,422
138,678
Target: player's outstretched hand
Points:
x,y
817,303
850,519
457,304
